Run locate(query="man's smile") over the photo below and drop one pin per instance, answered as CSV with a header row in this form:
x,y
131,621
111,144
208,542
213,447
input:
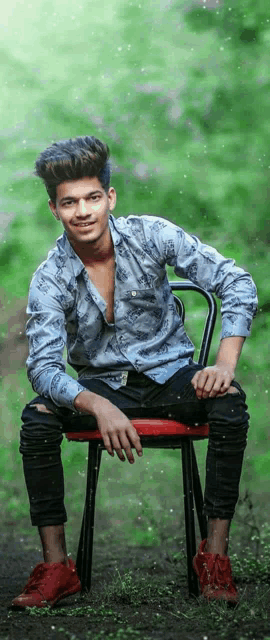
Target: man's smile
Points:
x,y
83,224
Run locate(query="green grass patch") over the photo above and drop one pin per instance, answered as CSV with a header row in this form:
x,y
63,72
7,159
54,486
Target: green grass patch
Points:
x,y
133,602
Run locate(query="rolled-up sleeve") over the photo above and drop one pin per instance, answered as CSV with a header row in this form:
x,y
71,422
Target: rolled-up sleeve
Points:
x,y
46,335
207,268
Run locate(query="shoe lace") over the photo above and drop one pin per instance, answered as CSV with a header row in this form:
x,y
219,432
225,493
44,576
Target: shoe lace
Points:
x,y
37,578
217,573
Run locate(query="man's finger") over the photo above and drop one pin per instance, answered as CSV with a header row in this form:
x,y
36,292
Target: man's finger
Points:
x,y
125,444
201,382
117,447
213,386
223,388
194,380
212,392
135,440
210,384
129,455
108,444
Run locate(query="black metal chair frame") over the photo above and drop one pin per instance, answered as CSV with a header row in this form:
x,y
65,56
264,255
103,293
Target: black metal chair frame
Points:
x,y
191,479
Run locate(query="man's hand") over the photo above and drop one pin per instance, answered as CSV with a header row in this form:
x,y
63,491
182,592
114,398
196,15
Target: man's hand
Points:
x,y
213,381
117,432
116,429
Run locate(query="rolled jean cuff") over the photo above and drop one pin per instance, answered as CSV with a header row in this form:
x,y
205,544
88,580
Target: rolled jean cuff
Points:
x,y
216,514
36,521
51,513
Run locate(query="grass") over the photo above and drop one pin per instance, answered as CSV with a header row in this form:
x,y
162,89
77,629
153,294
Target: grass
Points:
x,y
136,590
99,613
127,633
141,590
135,604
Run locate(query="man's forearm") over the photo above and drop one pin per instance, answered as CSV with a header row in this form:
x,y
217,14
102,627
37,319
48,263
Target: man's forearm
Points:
x,y
89,402
116,429
230,350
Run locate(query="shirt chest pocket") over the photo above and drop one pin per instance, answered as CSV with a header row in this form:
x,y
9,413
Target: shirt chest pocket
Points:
x,y
142,306
139,297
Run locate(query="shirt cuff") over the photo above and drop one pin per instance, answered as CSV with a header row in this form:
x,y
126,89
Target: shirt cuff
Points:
x,y
64,390
236,326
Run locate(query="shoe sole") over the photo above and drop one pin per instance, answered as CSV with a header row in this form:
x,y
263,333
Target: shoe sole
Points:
x,y
51,604
65,595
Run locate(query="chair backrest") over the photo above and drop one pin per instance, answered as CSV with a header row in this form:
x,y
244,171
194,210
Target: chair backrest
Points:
x,y
209,326
180,307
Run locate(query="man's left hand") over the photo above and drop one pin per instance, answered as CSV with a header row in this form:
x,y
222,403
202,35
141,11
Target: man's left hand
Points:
x,y
213,381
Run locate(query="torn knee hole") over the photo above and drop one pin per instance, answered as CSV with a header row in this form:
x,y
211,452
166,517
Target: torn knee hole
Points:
x,y
41,408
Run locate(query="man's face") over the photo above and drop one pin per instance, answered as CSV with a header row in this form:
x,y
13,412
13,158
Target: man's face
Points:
x,y
83,208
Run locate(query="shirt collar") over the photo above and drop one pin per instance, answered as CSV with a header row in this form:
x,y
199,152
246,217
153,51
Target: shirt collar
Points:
x,y
117,236
66,248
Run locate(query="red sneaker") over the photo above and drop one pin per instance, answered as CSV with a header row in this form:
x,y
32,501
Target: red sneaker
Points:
x,y
215,576
47,584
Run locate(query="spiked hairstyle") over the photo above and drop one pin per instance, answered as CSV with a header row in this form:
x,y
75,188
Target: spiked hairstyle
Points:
x,y
74,159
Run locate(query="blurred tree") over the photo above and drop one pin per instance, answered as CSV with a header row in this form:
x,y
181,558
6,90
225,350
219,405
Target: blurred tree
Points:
x,y
179,92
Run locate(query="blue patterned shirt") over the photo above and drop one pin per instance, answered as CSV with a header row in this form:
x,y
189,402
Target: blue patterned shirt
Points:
x,y
66,309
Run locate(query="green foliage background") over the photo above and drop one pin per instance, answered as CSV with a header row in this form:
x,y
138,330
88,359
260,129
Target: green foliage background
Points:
x,y
180,92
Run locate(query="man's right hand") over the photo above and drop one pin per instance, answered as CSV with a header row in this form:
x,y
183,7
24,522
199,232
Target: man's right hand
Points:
x,y
116,429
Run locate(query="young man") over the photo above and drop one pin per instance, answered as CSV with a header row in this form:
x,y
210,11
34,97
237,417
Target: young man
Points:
x,y
103,292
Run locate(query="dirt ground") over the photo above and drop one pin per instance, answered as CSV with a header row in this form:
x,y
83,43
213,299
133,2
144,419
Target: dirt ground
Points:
x,y
150,603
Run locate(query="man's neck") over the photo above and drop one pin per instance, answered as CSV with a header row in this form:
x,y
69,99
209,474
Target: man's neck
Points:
x,y
94,253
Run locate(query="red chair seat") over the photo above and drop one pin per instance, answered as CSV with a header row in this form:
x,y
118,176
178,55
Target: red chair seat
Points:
x,y
148,427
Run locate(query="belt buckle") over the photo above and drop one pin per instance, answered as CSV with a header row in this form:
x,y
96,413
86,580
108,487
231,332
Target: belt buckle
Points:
x,y
124,378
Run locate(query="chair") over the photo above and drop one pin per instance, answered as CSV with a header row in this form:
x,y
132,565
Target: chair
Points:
x,y
154,434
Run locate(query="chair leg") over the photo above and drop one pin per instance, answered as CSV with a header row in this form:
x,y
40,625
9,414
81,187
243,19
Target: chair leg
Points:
x,y
189,515
85,547
198,496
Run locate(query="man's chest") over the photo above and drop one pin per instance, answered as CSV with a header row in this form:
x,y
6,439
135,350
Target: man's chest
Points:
x,y
103,279
130,293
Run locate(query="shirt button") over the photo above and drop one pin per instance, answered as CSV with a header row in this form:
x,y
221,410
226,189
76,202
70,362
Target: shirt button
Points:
x,y
133,293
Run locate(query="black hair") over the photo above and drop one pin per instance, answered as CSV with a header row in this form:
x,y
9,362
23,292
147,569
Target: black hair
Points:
x,y
84,156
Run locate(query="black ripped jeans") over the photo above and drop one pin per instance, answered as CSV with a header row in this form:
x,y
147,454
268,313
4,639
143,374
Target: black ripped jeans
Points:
x,y
42,434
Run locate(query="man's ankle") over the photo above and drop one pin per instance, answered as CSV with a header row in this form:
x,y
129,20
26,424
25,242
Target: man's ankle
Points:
x,y
57,560
215,549
218,536
54,544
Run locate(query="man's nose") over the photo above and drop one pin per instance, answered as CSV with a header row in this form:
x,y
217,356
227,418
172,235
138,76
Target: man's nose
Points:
x,y
82,207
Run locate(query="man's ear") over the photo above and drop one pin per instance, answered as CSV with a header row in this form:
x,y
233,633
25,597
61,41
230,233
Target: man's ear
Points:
x,y
52,206
112,198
